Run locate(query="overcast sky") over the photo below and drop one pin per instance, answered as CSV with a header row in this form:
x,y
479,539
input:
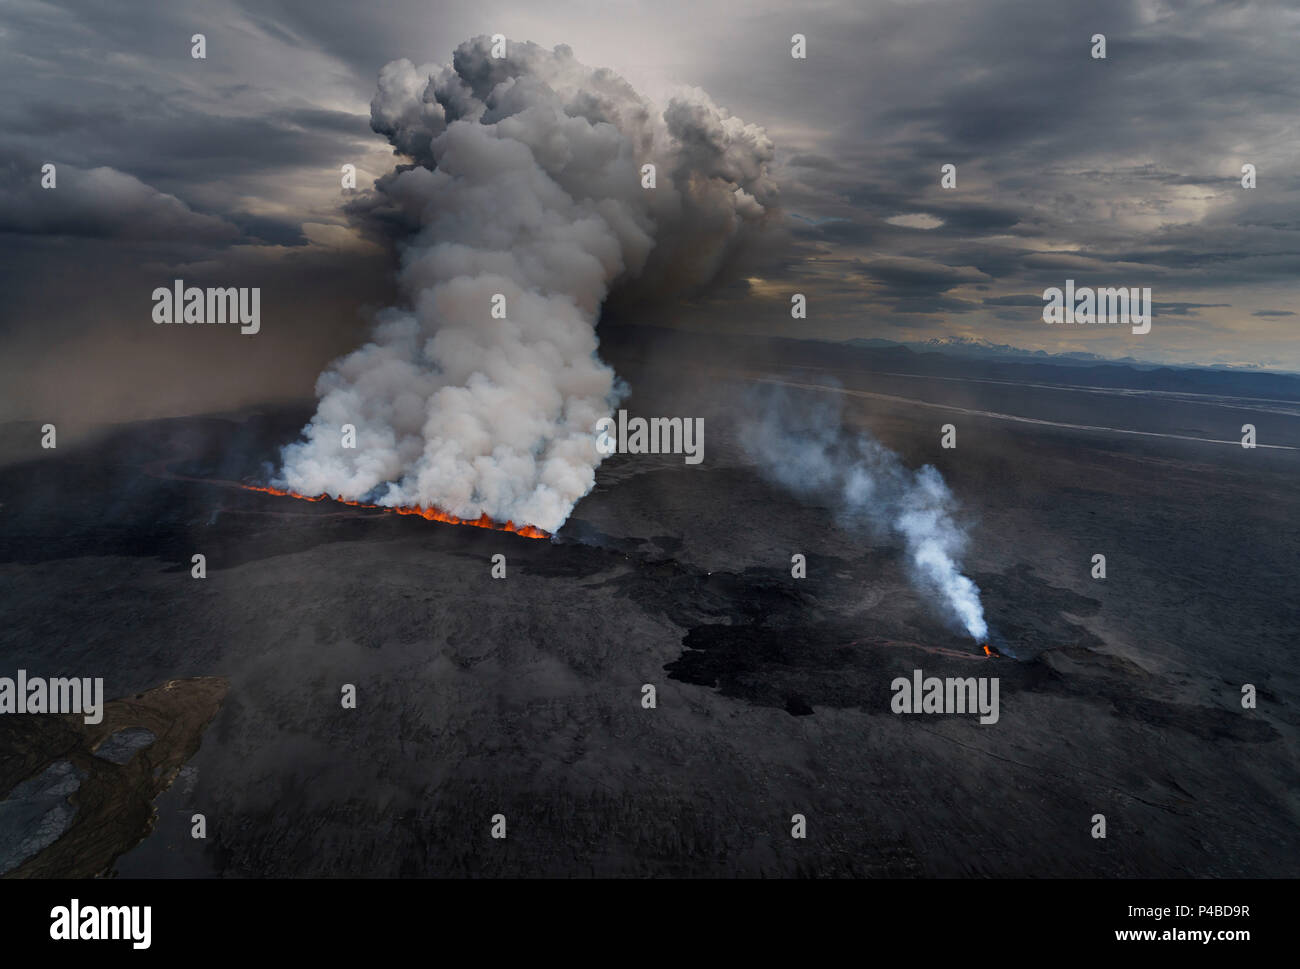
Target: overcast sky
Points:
x,y
225,171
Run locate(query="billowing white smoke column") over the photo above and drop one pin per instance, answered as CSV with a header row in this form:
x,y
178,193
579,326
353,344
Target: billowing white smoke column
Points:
x,y
806,450
526,182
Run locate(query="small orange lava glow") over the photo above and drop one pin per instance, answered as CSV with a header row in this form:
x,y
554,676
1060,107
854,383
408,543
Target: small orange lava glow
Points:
x,y
429,514
987,651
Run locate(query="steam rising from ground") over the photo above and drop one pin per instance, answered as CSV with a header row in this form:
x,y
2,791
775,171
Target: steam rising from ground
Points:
x,y
805,449
526,182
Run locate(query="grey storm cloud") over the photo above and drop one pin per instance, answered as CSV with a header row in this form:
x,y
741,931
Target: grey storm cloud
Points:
x,y
1157,307
1125,169
914,285
814,161
1181,309
905,273
100,203
527,185
1015,299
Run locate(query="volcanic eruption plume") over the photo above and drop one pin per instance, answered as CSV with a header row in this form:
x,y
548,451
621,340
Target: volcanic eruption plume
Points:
x,y
805,449
526,181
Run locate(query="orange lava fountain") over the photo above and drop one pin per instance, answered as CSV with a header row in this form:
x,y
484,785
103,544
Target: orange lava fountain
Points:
x,y
987,651
429,514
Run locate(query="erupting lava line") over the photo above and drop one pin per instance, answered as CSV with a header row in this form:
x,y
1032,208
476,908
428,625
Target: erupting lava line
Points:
x,y
429,514
987,651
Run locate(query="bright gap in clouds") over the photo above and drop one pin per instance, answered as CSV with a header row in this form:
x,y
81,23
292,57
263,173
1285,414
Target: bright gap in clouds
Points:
x,y
915,221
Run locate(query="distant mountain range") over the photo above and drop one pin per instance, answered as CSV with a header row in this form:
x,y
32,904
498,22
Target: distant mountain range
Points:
x,y
984,349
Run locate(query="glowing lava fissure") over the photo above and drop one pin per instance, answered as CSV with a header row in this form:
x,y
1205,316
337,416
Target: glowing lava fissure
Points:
x,y
429,514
